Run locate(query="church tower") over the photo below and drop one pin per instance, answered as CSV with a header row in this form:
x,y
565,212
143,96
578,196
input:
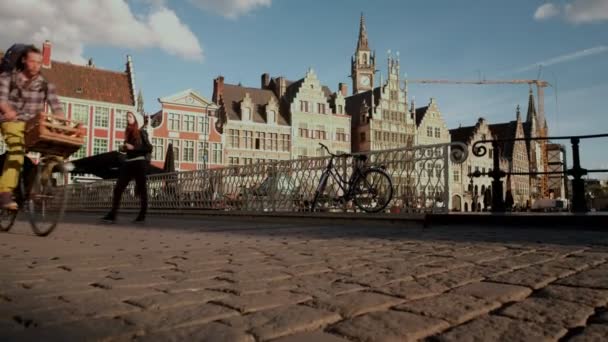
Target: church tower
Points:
x,y
363,63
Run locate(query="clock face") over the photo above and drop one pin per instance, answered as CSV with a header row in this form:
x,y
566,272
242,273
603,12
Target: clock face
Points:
x,y
365,80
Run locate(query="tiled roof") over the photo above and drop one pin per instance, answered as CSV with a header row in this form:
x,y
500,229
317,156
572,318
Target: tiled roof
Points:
x,y
462,134
233,95
89,83
505,131
355,102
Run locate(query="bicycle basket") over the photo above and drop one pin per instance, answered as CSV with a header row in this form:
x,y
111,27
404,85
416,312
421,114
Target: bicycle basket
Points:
x,y
48,134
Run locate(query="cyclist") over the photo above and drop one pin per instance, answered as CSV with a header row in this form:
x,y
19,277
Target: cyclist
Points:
x,y
23,94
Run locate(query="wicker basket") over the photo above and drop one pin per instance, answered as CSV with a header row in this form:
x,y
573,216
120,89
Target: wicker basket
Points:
x,y
48,134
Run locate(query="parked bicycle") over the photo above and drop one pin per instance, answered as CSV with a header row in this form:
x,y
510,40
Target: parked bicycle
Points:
x,y
371,188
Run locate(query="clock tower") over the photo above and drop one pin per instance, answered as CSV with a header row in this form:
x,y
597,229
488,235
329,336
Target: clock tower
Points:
x,y
363,63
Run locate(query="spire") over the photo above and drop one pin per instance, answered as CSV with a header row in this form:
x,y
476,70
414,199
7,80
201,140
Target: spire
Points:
x,y
518,113
531,107
362,42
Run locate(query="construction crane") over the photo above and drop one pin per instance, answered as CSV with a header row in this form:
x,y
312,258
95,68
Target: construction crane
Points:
x,y
540,93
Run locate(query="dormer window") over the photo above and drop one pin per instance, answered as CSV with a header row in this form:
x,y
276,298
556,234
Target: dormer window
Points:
x,y
271,116
246,114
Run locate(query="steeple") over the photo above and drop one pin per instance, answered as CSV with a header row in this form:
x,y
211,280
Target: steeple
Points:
x,y
140,102
362,44
531,108
518,115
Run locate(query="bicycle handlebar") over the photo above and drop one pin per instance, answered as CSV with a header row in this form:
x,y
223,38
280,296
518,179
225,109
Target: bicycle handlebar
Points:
x,y
343,155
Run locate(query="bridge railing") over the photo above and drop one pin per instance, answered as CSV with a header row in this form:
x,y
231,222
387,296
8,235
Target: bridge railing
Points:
x,y
577,172
420,177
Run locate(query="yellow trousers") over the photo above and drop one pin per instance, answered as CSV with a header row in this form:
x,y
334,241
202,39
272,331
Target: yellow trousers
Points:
x,y
13,133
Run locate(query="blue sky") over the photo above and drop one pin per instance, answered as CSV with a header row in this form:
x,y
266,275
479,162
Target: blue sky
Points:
x,y
194,41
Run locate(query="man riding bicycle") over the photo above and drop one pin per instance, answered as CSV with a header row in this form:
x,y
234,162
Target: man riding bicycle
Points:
x,y
23,94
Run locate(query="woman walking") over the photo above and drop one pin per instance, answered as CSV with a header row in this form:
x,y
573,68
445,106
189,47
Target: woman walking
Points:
x,y
137,147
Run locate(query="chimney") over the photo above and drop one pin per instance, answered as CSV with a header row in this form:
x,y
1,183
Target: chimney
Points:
x,y
280,87
265,80
218,89
343,88
46,54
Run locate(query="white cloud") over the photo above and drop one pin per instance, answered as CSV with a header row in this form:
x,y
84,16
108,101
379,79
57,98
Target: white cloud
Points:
x,y
546,11
565,58
231,8
72,24
576,11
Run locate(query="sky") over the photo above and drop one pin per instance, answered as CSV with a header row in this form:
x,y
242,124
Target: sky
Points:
x,y
184,44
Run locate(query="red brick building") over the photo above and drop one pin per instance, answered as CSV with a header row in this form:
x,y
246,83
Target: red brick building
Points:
x,y
187,120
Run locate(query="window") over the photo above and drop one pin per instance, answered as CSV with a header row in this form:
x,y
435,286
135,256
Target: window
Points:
x,y
340,109
248,139
64,108
102,115
303,130
189,122
118,144
188,150
233,138
271,116
120,119
247,161
321,108
304,106
362,136
100,146
260,141
394,95
203,152
437,132
175,143
456,176
233,161
274,142
340,134
285,142
491,154
203,124
80,113
216,156
81,153
174,121
158,151
429,132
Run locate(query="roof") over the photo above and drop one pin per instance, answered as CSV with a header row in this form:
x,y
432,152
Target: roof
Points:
x,y
462,134
232,96
355,102
505,131
420,112
89,83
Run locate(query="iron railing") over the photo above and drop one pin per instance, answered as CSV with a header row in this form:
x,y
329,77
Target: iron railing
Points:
x,y
577,172
420,177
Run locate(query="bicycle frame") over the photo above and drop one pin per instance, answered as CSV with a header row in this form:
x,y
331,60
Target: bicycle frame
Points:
x,y
345,186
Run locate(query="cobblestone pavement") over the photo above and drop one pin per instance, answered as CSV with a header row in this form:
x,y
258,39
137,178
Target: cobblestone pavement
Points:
x,y
230,279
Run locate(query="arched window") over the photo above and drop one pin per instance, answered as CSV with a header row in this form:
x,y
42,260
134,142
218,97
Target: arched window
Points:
x,y
365,59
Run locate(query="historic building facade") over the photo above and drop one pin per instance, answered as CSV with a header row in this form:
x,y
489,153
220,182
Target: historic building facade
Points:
x,y
187,122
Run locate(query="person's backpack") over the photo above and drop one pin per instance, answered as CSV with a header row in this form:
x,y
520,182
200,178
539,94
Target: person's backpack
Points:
x,y
11,57
146,142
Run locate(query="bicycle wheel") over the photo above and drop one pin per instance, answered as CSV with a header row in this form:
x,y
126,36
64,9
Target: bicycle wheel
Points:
x,y
7,219
373,191
46,198
320,189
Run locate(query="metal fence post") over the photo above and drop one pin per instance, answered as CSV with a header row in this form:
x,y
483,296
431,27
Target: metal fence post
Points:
x,y
578,184
498,203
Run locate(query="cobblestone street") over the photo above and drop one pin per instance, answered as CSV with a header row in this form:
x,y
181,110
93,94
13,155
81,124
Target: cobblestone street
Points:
x,y
225,279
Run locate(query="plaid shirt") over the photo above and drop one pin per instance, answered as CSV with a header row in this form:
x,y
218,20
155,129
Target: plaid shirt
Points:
x,y
27,100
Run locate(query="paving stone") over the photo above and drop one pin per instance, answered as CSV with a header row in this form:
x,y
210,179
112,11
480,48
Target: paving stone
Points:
x,y
325,290
379,278
592,333
211,332
252,287
317,336
166,301
263,301
494,292
282,321
241,277
524,260
530,276
302,270
451,307
497,328
453,278
354,304
549,311
390,326
593,278
178,317
193,285
98,305
103,329
411,290
582,295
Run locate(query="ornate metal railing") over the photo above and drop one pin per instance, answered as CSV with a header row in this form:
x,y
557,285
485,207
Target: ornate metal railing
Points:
x,y
420,177
577,172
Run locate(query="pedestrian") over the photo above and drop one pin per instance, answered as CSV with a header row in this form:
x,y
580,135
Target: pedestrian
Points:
x,y
23,95
138,148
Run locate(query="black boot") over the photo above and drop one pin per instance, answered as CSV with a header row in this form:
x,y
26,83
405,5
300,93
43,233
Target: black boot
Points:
x,y
140,219
109,218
